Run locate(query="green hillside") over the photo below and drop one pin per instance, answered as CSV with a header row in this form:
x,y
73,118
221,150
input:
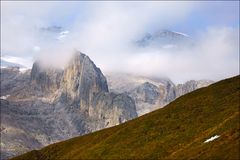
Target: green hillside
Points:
x,y
176,131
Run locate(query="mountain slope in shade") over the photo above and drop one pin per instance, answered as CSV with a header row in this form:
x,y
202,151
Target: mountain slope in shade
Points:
x,y
183,129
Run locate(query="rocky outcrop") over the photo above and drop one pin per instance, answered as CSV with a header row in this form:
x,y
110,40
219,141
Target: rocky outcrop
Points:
x,y
111,109
147,97
151,93
190,86
44,78
81,81
148,93
46,105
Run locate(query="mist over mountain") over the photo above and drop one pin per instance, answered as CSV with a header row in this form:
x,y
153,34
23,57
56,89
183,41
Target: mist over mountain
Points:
x,y
47,104
161,53
151,93
166,39
140,57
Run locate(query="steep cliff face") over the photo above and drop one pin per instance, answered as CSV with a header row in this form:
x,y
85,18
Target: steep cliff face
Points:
x,y
111,109
48,104
81,81
83,86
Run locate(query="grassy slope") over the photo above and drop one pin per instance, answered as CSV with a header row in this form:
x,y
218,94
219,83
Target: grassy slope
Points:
x,y
176,131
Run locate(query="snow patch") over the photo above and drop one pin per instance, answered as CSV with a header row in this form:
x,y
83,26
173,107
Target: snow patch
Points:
x,y
4,97
24,61
23,70
212,138
182,34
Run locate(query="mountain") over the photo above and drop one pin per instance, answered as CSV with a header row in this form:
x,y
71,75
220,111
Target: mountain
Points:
x,y
46,104
203,124
165,39
6,64
15,62
190,86
150,93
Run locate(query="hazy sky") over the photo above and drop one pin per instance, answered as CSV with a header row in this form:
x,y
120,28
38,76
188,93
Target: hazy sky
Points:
x,y
106,31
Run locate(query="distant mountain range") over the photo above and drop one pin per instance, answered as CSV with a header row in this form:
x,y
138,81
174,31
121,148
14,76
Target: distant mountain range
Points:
x,y
203,124
15,62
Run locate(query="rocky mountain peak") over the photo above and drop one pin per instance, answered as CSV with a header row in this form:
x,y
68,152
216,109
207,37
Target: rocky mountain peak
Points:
x,y
165,39
82,80
81,69
191,85
51,104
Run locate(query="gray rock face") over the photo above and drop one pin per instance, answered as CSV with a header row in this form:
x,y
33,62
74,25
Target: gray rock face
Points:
x,y
111,109
81,81
148,93
190,86
151,93
146,96
47,105
44,78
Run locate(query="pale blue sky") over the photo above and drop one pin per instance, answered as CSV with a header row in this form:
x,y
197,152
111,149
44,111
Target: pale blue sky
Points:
x,y
204,14
220,13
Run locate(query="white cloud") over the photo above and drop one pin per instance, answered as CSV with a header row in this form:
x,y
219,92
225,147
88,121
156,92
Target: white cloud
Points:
x,y
106,31
36,48
215,56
